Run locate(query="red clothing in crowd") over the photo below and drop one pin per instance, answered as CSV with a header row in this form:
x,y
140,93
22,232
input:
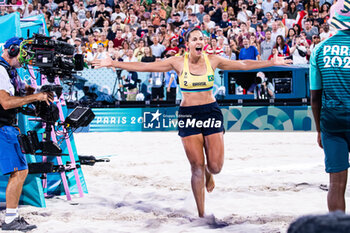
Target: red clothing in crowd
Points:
x,y
118,42
217,51
173,50
271,56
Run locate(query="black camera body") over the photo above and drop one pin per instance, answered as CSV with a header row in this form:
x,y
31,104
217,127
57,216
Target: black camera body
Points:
x,y
53,58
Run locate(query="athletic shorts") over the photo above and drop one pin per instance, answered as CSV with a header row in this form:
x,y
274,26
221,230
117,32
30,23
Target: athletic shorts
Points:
x,y
201,119
11,157
336,148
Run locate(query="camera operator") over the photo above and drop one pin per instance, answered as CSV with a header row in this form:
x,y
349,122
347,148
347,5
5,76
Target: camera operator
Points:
x,y
262,88
130,79
12,161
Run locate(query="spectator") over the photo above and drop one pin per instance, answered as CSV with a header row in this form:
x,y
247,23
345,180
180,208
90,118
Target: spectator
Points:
x,y
124,49
111,51
118,39
101,52
326,33
273,54
234,30
234,47
148,57
220,37
194,6
29,10
290,35
101,15
182,50
90,56
117,13
310,30
251,6
260,33
248,52
277,30
129,56
172,50
140,50
303,36
259,12
143,14
55,32
245,14
194,22
253,42
324,12
88,19
201,13
299,51
91,5
215,11
63,36
230,13
282,47
73,37
166,8
157,49
213,48
228,54
266,46
310,5
187,14
315,41
267,6
142,30
297,29
127,32
269,18
225,23
208,23
102,38
243,33
51,6
254,22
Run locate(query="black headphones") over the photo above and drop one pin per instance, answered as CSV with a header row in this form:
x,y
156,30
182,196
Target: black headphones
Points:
x,y
13,50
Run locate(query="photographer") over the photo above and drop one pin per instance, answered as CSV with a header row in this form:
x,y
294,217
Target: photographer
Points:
x,y
262,88
12,161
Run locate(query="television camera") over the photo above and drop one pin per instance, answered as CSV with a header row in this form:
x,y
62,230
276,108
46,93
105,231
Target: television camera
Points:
x,y
52,59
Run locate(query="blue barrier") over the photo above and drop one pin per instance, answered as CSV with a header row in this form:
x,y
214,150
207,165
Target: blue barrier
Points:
x,y
297,76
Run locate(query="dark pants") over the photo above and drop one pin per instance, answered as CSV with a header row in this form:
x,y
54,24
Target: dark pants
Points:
x,y
171,96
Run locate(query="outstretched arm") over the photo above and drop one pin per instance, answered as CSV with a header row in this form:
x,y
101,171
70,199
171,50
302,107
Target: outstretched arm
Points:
x,y
158,66
225,64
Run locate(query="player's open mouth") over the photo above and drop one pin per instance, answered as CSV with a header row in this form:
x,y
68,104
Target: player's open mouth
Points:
x,y
199,49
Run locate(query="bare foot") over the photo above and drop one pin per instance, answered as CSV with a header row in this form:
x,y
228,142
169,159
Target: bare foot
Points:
x,y
209,181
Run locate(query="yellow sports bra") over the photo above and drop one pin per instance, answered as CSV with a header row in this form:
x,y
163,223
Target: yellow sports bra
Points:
x,y
196,83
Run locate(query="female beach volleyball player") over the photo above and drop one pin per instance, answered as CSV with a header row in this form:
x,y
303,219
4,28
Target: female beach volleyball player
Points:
x,y
200,121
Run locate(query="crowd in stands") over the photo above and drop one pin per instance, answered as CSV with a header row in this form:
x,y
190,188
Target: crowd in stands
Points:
x,y
143,30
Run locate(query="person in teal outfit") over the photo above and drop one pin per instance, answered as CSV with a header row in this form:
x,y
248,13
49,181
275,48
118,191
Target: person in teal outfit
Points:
x,y
330,101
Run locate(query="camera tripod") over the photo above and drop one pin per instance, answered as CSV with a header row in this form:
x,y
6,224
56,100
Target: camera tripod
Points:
x,y
62,162
117,82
